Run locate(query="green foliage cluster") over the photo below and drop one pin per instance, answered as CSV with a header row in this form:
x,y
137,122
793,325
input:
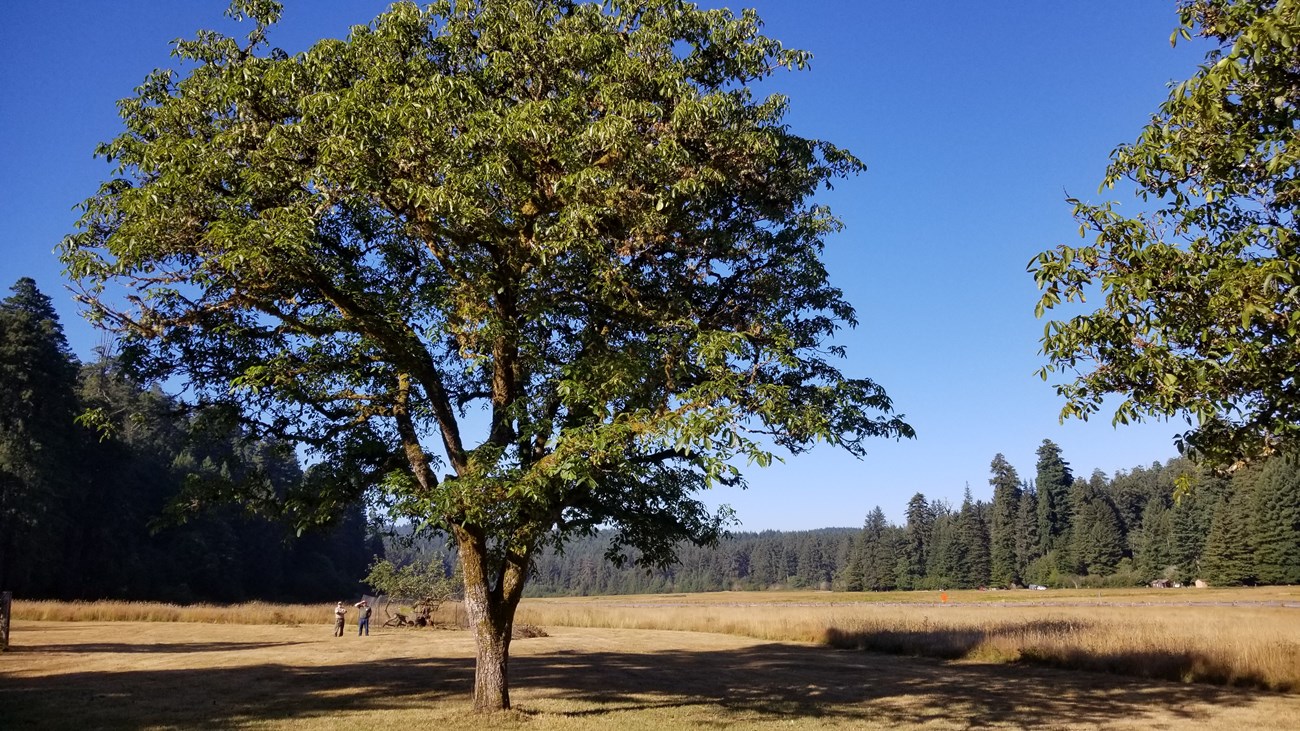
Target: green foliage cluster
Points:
x,y
139,507
575,216
421,586
1199,297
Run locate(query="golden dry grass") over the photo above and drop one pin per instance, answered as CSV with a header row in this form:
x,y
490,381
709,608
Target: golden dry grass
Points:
x,y
1245,637
121,611
1242,637
157,675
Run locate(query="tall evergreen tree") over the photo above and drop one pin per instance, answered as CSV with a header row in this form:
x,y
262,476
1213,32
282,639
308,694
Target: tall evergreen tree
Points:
x,y
912,562
1003,568
1098,541
1153,551
1187,539
1227,559
877,563
1275,521
850,575
129,462
815,567
944,559
1028,542
82,514
38,440
1130,493
1095,541
973,537
1053,482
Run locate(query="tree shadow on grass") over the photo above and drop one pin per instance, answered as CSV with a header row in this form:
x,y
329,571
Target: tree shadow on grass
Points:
x,y
781,680
769,681
225,697
1057,643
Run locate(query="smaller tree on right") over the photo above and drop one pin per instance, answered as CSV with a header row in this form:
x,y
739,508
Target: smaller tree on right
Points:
x,y
1199,312
423,587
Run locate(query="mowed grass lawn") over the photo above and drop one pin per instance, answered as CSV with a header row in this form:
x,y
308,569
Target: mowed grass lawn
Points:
x,y
133,674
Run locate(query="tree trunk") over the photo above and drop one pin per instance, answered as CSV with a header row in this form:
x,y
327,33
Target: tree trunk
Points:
x,y
492,638
491,609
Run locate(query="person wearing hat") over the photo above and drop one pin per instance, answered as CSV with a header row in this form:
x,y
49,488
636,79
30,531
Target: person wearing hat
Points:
x,y
339,613
363,618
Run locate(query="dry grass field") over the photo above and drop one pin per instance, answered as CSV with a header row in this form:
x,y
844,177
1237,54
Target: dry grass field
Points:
x,y
1245,637
748,662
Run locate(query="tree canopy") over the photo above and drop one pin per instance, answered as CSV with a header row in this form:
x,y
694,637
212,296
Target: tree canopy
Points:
x,y
528,267
1200,308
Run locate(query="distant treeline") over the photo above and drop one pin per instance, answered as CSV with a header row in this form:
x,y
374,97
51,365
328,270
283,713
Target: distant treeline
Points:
x,y
742,561
1167,522
128,504
1054,530
745,561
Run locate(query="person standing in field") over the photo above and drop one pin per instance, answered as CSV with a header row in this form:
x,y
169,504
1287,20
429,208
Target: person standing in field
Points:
x,y
363,618
339,613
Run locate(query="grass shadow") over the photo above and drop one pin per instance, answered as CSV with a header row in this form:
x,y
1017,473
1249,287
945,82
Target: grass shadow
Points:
x,y
1052,643
781,680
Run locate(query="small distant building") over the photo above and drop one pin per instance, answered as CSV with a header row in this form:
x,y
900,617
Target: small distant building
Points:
x,y
1160,584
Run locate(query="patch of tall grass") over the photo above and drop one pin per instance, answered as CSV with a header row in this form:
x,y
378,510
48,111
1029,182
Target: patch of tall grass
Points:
x,y
1251,646
450,614
121,611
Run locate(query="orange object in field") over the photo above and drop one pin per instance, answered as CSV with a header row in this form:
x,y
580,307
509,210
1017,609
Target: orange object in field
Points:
x,y
943,597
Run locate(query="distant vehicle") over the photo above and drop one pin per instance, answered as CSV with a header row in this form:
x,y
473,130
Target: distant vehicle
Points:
x,y
1038,587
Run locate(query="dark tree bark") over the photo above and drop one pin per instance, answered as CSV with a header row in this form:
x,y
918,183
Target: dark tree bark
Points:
x,y
490,603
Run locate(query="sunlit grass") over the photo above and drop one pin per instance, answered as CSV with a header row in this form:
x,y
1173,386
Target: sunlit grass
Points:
x,y
156,675
120,611
1245,637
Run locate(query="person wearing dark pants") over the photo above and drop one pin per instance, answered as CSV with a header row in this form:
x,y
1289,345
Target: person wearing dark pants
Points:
x,y
363,618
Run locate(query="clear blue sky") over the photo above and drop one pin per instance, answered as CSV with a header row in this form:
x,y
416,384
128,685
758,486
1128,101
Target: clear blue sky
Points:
x,y
974,119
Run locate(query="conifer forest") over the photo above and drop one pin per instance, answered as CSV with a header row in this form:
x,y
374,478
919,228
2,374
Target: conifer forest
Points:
x,y
1051,529
108,490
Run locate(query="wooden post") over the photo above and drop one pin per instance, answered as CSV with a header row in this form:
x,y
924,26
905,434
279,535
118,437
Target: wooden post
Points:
x,y
6,599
